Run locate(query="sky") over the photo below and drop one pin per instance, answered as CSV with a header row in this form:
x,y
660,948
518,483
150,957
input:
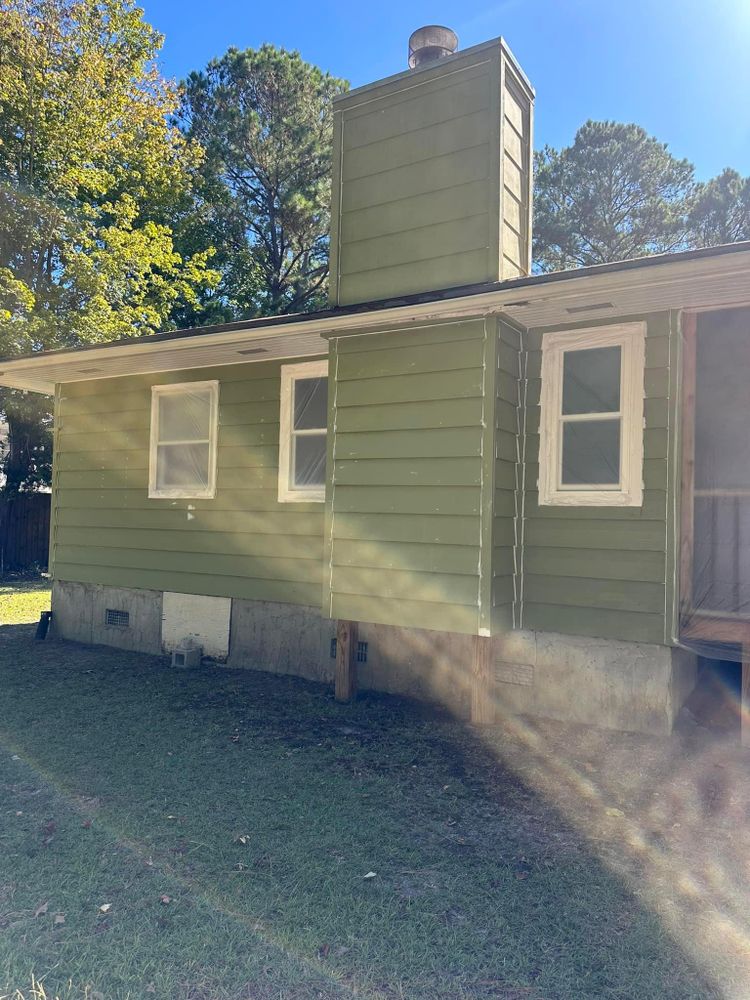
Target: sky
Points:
x,y
679,68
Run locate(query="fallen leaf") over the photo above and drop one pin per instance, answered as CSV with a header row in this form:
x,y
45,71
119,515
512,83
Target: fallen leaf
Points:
x,y
59,920
41,909
86,824
324,950
614,812
241,838
370,875
165,899
105,907
150,988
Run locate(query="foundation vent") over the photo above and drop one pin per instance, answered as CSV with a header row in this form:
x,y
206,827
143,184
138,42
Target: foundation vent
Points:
x,y
361,652
117,618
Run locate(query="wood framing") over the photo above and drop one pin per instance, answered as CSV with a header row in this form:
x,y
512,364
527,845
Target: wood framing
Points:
x,y
482,693
687,479
346,663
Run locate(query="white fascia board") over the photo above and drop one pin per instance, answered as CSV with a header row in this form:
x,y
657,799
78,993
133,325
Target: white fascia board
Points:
x,y
720,280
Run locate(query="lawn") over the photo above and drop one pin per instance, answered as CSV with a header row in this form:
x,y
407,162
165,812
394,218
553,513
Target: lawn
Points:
x,y
22,599
231,835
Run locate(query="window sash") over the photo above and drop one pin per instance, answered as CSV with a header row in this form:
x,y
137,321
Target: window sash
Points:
x,y
158,393
289,490
628,491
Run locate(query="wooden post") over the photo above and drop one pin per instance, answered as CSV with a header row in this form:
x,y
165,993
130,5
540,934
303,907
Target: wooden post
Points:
x,y
745,697
346,663
482,688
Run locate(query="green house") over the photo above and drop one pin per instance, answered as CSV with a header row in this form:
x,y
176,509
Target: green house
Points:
x,y
507,493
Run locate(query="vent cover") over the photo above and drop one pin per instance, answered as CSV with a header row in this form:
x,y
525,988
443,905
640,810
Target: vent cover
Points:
x,y
334,645
120,619
361,652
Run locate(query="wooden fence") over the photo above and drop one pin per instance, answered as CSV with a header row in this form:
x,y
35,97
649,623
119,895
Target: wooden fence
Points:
x,y
24,533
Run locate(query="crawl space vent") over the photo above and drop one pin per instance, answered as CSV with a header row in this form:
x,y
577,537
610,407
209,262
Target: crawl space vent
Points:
x,y
361,652
120,619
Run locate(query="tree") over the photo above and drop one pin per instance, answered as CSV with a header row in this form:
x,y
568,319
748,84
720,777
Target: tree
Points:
x,y
615,193
92,177
265,120
721,210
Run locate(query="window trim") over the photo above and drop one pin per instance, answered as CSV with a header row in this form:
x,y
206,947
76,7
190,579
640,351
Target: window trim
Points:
x,y
630,337
289,493
157,391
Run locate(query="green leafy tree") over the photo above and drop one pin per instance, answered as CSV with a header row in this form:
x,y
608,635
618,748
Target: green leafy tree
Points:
x,y
265,120
92,180
615,193
721,210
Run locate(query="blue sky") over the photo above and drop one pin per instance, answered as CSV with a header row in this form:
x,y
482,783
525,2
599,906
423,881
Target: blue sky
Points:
x,y
680,68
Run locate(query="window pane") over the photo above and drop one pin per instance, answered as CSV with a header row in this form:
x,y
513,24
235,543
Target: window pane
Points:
x,y
185,416
310,403
309,460
591,380
182,466
591,453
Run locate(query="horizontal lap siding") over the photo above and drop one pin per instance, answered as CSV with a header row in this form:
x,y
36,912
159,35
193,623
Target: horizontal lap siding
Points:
x,y
602,571
243,543
507,470
414,179
406,490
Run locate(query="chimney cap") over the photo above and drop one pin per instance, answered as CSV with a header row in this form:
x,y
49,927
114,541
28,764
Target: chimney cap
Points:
x,y
430,43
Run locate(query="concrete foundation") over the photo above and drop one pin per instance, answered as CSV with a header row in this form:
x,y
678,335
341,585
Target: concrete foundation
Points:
x,y
282,639
600,682
632,686
79,612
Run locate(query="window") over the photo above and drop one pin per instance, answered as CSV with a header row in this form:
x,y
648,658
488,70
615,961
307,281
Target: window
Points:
x,y
591,431
184,420
303,422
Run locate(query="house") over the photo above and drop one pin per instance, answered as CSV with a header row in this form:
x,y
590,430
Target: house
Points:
x,y
505,492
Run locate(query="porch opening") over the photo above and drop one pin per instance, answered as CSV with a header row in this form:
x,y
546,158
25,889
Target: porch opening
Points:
x,y
715,702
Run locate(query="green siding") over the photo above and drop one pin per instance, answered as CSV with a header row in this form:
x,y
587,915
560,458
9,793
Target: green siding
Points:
x,y
243,543
603,571
508,505
409,481
425,164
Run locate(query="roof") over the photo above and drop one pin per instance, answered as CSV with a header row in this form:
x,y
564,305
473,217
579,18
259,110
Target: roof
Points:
x,y
716,276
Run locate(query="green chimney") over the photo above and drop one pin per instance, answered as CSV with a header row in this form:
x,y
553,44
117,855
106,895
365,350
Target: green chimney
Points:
x,y
432,174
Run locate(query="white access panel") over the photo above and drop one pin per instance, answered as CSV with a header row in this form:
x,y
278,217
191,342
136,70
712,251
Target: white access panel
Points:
x,y
204,619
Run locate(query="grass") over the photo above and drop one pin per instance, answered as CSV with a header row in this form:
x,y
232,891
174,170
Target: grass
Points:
x,y
207,835
22,599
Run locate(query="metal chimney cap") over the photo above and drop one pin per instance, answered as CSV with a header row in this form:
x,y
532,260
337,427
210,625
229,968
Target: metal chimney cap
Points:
x,y
430,43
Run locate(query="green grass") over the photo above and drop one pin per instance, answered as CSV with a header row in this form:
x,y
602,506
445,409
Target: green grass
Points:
x,y
22,599
226,821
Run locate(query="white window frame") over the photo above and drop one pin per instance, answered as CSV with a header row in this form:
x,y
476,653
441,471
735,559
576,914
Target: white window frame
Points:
x,y
630,338
159,391
288,492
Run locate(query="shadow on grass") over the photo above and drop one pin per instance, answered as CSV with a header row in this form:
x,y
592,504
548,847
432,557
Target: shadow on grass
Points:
x,y
209,834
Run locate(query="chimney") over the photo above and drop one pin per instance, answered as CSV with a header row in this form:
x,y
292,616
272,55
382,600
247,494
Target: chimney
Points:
x,y
430,43
432,173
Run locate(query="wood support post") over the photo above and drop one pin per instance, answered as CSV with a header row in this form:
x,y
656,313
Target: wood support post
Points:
x,y
482,687
745,697
346,662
